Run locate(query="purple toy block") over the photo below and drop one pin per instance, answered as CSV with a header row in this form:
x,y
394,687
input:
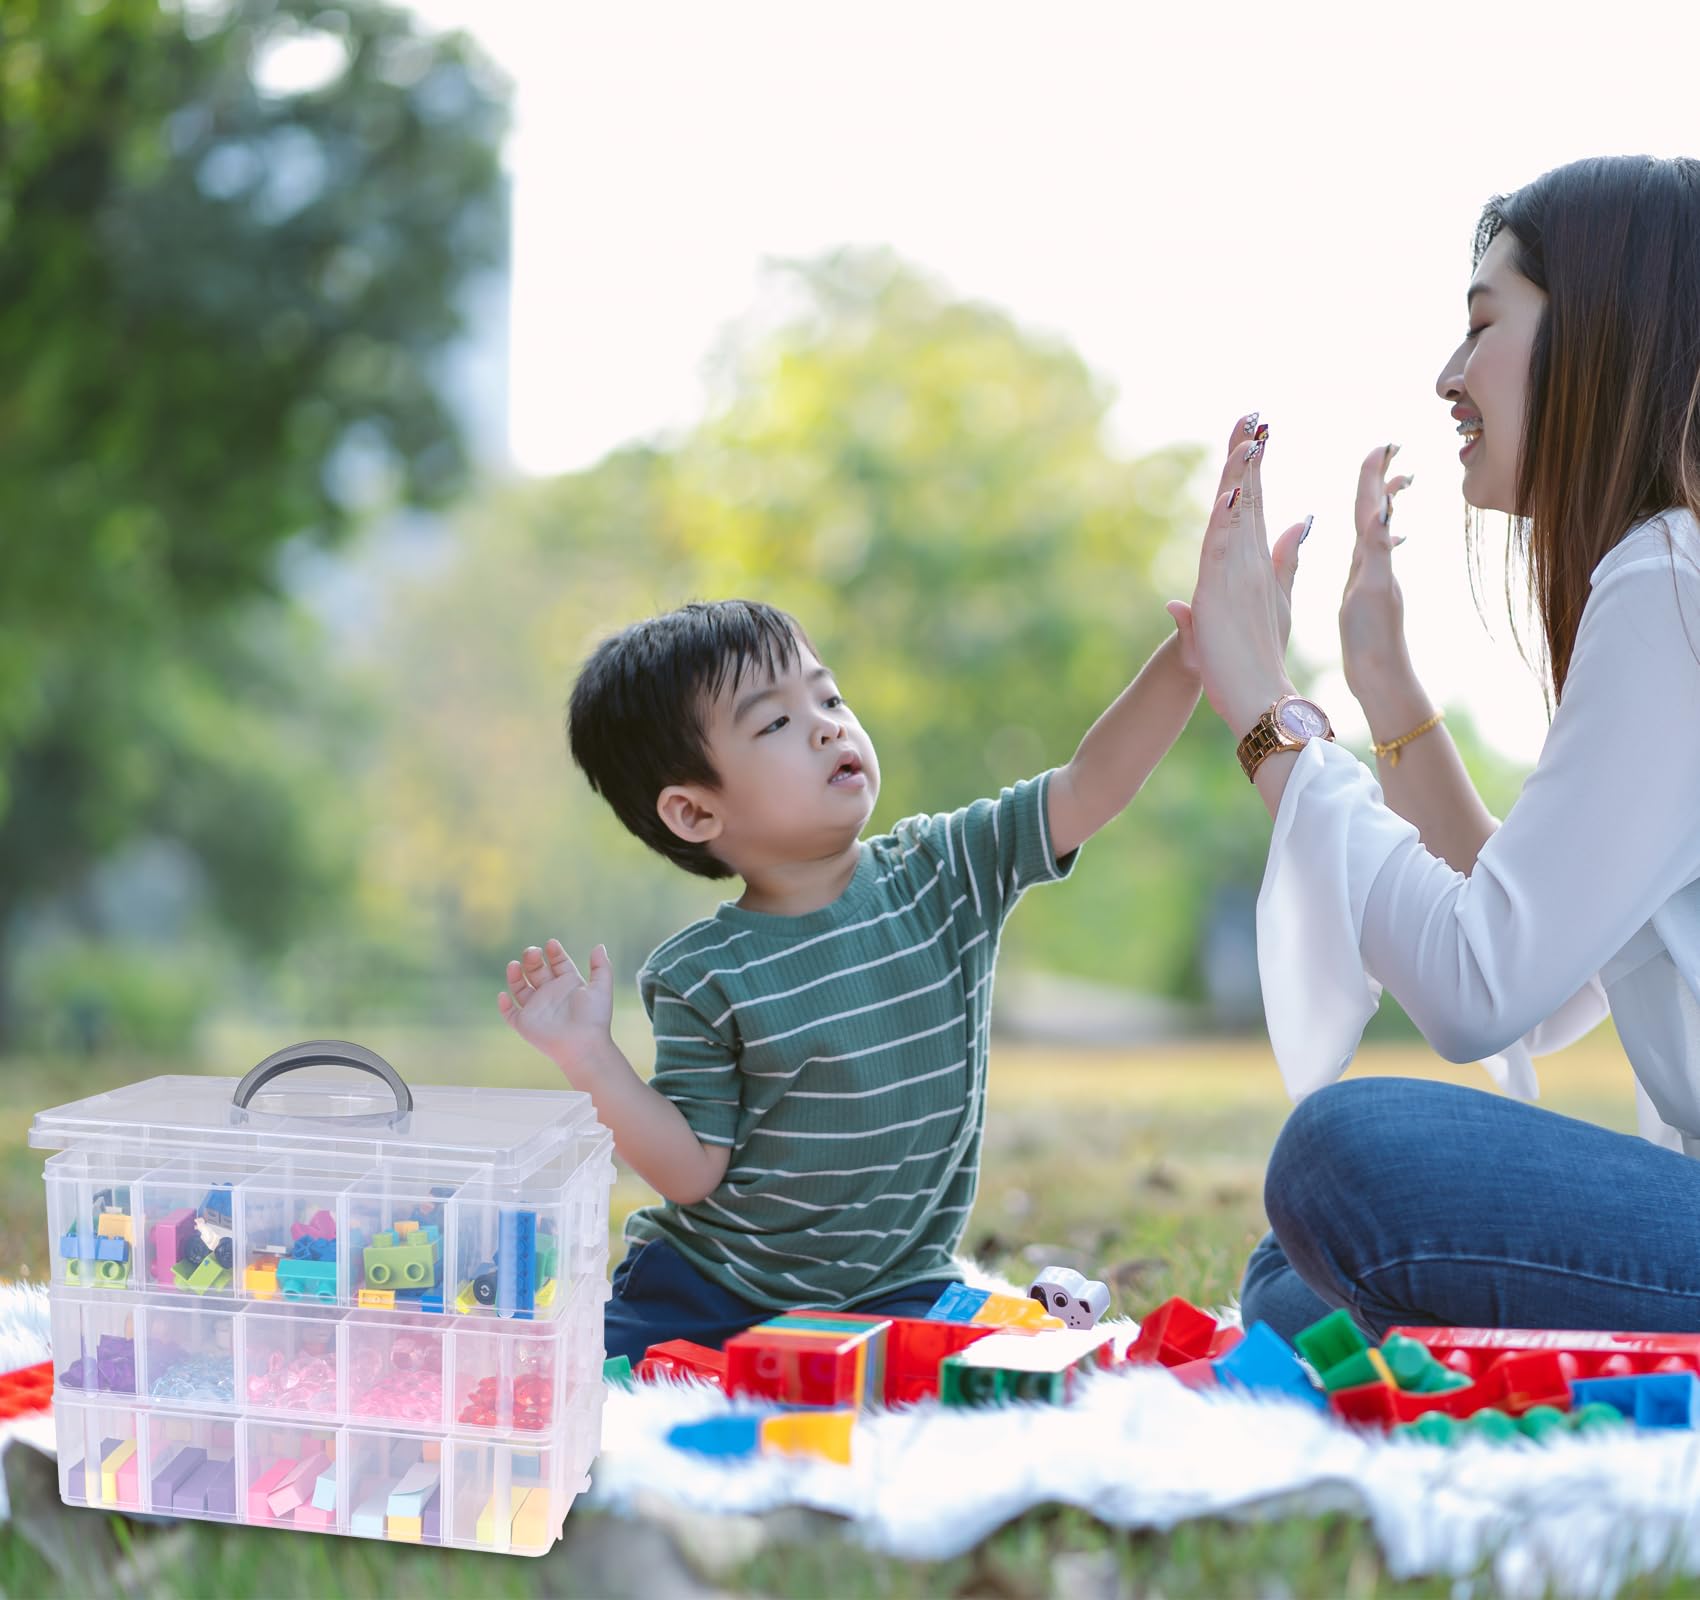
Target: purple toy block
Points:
x,y
191,1492
187,1460
170,1238
221,1489
429,1523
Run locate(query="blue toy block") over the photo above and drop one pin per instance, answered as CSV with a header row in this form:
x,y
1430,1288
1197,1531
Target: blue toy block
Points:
x,y
718,1436
958,1303
516,1264
1649,1400
216,1206
111,1248
78,1247
298,1280
1264,1363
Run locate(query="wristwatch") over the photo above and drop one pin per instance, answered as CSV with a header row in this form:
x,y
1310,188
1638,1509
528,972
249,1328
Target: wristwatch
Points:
x,y
1290,724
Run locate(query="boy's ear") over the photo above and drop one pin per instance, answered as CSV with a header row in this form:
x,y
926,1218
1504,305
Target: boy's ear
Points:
x,y
688,811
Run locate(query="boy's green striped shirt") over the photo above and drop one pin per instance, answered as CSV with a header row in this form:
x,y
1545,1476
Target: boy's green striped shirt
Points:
x,y
842,1056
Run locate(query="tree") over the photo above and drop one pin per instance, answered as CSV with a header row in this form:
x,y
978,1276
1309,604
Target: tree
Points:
x,y
221,308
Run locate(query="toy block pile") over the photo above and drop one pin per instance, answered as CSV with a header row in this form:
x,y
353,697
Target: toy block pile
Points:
x,y
26,1391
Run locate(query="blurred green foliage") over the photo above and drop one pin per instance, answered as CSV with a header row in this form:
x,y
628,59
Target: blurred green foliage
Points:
x,y
221,308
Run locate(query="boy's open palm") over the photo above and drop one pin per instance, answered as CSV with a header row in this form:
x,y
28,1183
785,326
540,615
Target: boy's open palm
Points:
x,y
549,1004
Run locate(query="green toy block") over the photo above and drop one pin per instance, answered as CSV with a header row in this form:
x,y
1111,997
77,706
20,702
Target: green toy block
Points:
x,y
1352,1373
1409,1363
961,1385
209,1275
1441,1380
1539,1421
408,1262
547,1254
1335,1339
1492,1424
1433,1427
618,1370
1047,1386
1597,1417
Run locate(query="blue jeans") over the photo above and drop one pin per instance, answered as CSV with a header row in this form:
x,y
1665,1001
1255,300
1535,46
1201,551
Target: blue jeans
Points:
x,y
659,1295
1426,1203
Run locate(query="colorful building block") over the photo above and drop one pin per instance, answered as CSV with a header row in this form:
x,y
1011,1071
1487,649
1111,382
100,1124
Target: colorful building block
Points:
x,y
260,1488
307,1280
188,1459
914,1351
1176,1332
826,1435
1014,1367
1331,1342
402,1261
680,1358
1080,1301
516,1264
170,1238
26,1390
1264,1363
408,1495
959,1303
1648,1399
811,1358
259,1278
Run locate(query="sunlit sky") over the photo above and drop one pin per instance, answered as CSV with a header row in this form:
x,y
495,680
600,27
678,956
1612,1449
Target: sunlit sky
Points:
x,y
1220,207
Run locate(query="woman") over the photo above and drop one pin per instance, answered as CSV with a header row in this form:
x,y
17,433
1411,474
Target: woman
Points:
x,y
1576,391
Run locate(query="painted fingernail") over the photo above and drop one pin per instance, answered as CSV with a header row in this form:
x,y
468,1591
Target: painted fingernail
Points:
x,y
1262,432
1255,451
1306,534
1250,423
1233,499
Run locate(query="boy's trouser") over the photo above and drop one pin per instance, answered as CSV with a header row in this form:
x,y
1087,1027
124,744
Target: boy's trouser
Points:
x,y
658,1295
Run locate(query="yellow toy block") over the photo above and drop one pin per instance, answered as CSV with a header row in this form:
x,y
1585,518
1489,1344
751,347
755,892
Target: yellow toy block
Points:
x,y
410,1530
260,1280
1379,1362
531,1521
376,1299
825,1434
115,1225
488,1519
1013,1311
109,1470
466,1302
405,1227
545,1296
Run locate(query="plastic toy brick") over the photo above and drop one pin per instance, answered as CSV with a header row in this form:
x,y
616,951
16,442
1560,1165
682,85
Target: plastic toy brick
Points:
x,y
811,1358
260,1488
1065,1293
959,1303
1200,1374
208,1276
1597,1354
376,1299
679,1358
1366,1366
827,1435
170,1234
492,1517
324,1490
311,1516
368,1518
296,1486
1528,1378
115,1225
914,1349
516,1264
1649,1399
259,1279
112,1466
27,1390
416,1485
546,1294
306,1280
1176,1331
175,1471
1336,1338
1016,1367
404,1261
1264,1363
618,1370
531,1520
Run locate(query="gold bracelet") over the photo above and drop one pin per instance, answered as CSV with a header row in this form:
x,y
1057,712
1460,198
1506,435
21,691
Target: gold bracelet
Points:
x,y
1393,746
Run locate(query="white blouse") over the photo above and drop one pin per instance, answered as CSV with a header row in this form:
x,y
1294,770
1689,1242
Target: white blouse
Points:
x,y
1586,900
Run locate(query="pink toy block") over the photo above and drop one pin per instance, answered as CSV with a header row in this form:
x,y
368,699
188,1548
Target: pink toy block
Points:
x,y
128,1483
263,1486
295,1488
313,1517
170,1235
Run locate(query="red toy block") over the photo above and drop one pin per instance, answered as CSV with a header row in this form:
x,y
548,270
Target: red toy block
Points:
x,y
679,1358
1516,1383
27,1390
1371,1405
1200,1374
1176,1332
1598,1354
1224,1340
800,1369
914,1349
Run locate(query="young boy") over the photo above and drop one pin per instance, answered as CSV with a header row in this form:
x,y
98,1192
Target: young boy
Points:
x,y
813,1121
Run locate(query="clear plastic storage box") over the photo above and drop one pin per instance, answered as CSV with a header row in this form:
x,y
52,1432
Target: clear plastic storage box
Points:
x,y
303,1302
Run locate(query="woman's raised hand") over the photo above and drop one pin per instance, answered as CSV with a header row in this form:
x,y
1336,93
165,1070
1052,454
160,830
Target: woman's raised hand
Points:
x,y
1234,634
1372,610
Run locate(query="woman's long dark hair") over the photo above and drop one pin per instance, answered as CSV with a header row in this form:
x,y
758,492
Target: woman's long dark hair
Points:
x,y
1609,430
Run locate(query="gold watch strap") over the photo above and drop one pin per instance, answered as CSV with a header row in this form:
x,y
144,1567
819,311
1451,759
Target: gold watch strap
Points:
x,y
1267,737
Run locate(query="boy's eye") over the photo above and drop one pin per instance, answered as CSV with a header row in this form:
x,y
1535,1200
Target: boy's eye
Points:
x,y
1471,333
774,726
834,700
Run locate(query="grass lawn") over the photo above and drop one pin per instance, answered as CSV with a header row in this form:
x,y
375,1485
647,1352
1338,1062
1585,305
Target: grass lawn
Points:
x,y
1142,1167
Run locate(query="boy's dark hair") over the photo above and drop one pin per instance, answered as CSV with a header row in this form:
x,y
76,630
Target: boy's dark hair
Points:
x,y
636,718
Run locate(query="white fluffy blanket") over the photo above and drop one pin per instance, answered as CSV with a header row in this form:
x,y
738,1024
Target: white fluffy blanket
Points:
x,y
1577,1516
1136,1448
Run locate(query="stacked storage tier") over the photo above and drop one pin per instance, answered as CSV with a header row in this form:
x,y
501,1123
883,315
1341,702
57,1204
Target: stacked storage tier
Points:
x,y
321,1311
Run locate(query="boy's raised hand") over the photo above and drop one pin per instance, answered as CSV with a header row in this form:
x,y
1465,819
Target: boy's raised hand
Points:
x,y
551,1006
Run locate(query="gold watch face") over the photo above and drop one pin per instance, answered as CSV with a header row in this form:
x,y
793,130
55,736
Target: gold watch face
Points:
x,y
1299,719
